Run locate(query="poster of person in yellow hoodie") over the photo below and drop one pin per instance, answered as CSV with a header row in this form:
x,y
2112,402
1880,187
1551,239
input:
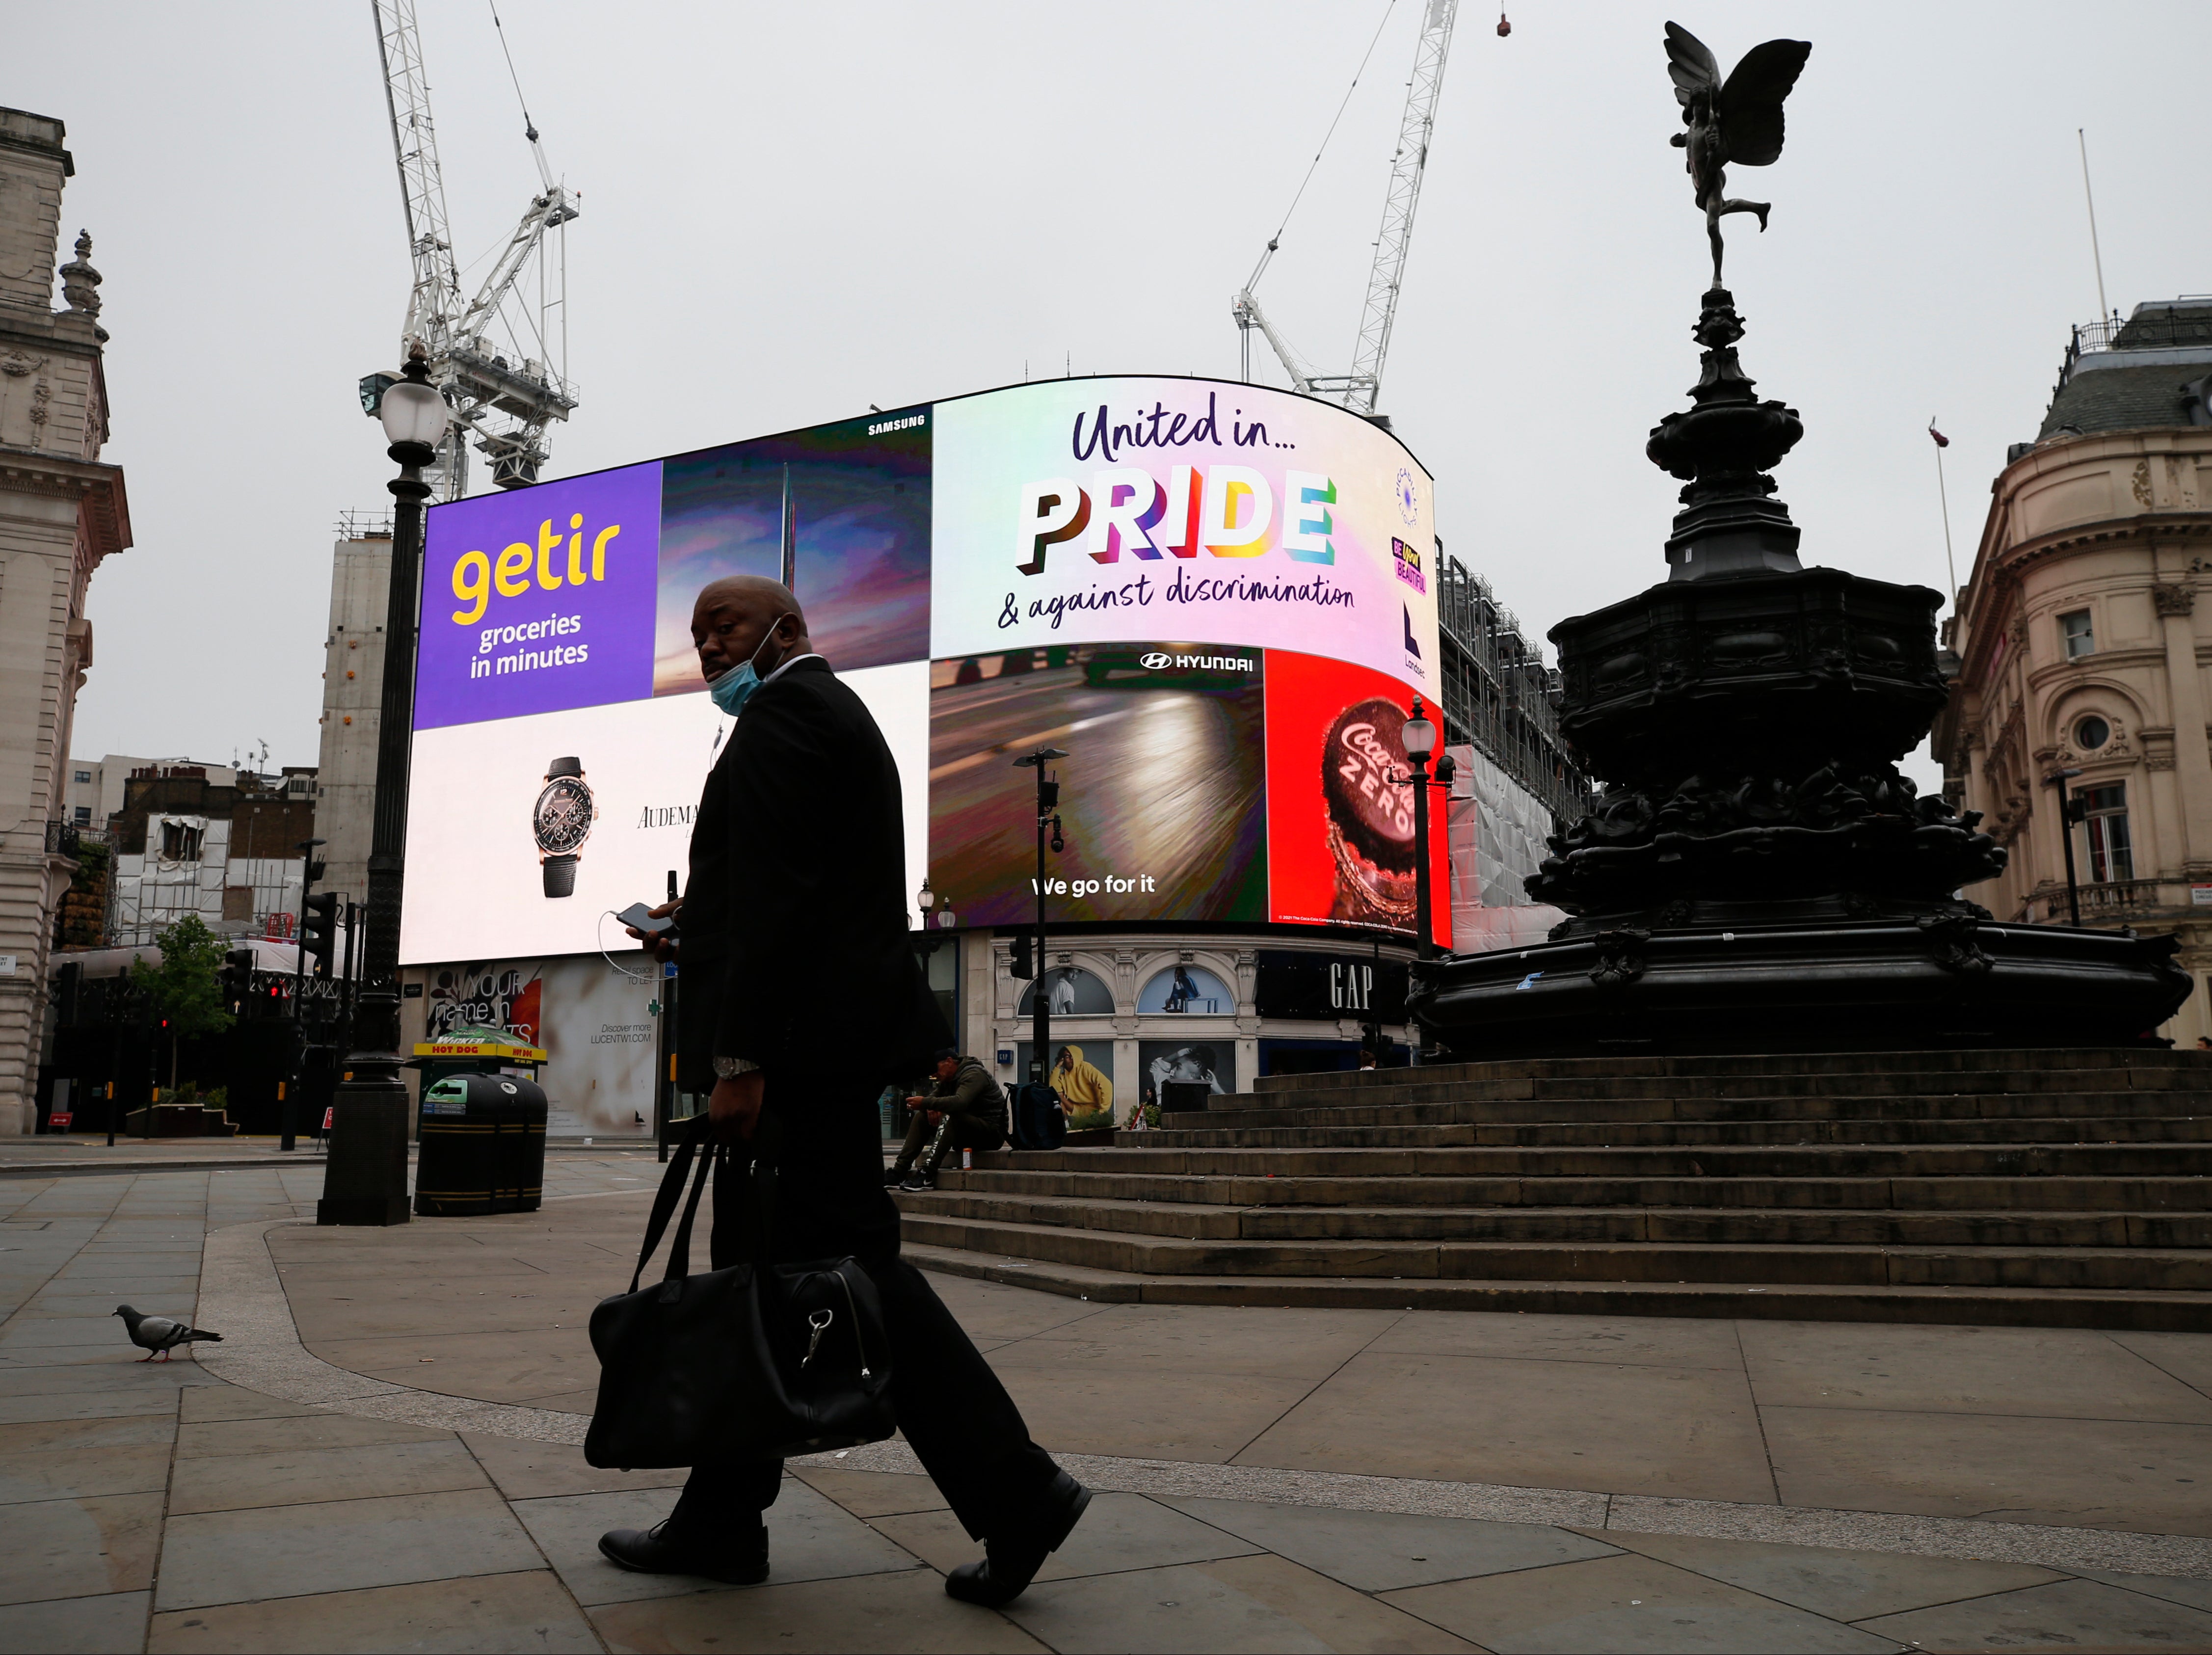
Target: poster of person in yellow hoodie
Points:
x,y
1086,1092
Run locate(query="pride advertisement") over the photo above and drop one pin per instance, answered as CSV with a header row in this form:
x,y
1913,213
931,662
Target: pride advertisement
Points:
x,y
1092,511
1189,585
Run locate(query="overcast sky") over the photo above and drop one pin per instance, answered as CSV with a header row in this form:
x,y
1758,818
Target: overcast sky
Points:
x,y
792,211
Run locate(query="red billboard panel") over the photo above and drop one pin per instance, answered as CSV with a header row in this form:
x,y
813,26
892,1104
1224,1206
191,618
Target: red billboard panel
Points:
x,y
1340,827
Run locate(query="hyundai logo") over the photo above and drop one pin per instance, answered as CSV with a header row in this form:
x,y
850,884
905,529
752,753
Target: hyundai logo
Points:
x,y
1153,661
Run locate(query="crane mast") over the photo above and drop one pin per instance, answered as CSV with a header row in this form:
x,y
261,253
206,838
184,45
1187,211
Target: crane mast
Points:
x,y
1358,389
501,356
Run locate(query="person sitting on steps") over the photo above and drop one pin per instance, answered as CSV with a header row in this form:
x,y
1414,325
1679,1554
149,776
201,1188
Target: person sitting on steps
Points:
x,y
964,1107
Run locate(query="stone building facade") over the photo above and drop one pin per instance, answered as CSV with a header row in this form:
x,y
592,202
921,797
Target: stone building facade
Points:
x,y
2084,647
61,512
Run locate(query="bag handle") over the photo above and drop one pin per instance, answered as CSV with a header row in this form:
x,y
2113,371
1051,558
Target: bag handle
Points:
x,y
672,1190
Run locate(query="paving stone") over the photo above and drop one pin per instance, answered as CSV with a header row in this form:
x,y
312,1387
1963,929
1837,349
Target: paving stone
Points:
x,y
1184,1338
1095,1408
1689,1432
2085,1473
873,1494
229,1483
43,1475
2197,1594
906,1612
2049,1372
92,1545
1380,1551
483,1614
1259,1603
1648,1341
809,1539
320,1429
87,1405
77,1626
293,1551
2066,1613
1117,1532
532,1470
72,1435
2187,1356
1626,1605
986,1308
230,1402
1845,1585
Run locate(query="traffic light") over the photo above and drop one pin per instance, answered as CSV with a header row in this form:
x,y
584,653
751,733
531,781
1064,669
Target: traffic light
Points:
x,y
237,976
1023,965
319,930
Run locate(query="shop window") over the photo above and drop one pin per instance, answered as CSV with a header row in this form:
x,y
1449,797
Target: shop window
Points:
x,y
1190,991
2091,733
2104,812
1070,991
2074,629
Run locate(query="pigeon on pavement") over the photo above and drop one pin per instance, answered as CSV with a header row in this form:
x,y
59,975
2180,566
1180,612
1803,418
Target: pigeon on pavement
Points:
x,y
157,1336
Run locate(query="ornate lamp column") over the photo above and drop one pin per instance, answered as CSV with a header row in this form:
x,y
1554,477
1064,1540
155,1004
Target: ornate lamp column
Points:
x,y
365,1181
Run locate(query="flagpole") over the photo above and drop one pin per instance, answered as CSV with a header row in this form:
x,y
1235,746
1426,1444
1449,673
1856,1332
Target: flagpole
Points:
x,y
1950,567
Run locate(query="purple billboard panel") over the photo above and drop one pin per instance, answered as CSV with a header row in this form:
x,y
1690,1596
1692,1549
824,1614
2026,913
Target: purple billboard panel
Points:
x,y
539,600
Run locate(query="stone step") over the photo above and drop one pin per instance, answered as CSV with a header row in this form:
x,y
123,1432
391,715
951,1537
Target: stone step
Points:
x,y
2150,1194
1442,1086
1933,1064
2140,1311
2014,1160
2129,1269
2121,1129
1194,1221
1994,1106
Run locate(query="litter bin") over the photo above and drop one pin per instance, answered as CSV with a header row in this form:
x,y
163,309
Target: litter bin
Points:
x,y
482,1146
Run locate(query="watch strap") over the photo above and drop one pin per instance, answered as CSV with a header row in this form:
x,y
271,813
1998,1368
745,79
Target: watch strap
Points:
x,y
729,1068
564,767
560,876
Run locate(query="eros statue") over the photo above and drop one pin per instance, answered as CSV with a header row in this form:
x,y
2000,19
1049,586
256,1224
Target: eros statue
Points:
x,y
1735,122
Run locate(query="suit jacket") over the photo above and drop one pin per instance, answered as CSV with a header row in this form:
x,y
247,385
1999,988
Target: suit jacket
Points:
x,y
795,914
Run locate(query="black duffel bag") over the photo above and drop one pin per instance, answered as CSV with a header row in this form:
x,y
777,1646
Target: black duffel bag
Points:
x,y
752,1360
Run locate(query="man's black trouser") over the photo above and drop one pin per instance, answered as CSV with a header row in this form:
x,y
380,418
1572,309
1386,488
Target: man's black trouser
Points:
x,y
954,1132
822,1135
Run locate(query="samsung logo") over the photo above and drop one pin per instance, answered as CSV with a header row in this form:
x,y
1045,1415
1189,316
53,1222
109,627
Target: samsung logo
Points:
x,y
882,427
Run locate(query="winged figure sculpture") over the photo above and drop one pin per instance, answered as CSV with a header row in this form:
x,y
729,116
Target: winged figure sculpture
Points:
x,y
1735,122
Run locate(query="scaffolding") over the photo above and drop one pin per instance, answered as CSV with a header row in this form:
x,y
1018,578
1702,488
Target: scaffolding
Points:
x,y
1498,695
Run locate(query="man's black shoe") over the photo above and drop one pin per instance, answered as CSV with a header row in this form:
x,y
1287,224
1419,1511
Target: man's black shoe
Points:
x,y
742,1562
1009,1565
893,1177
919,1181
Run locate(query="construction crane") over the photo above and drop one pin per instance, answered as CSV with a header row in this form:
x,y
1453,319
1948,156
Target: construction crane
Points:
x,y
501,358
1358,389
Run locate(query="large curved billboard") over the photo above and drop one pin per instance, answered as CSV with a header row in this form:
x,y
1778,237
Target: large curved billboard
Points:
x,y
1216,597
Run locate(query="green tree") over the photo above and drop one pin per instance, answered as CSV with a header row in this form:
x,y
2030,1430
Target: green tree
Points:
x,y
186,988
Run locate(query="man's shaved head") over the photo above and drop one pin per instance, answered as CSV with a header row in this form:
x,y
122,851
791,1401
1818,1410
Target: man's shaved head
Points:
x,y
732,618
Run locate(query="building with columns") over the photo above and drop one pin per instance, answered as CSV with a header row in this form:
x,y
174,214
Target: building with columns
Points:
x,y
2084,645
61,512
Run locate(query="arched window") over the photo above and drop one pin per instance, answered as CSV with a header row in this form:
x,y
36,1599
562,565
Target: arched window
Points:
x,y
1186,990
1070,991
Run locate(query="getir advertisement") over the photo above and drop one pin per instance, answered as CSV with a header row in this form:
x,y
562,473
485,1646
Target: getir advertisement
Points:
x,y
1218,598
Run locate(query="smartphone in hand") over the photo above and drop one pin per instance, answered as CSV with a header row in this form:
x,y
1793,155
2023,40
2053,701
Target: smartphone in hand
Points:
x,y
639,917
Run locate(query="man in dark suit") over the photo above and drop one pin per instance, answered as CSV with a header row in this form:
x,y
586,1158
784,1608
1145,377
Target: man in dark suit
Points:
x,y
802,996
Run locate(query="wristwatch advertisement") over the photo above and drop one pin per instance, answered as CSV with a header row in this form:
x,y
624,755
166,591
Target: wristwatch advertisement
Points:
x,y
561,821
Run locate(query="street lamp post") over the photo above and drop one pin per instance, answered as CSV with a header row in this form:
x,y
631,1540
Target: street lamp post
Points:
x,y
1419,736
288,1111
1048,819
365,1178
2058,779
